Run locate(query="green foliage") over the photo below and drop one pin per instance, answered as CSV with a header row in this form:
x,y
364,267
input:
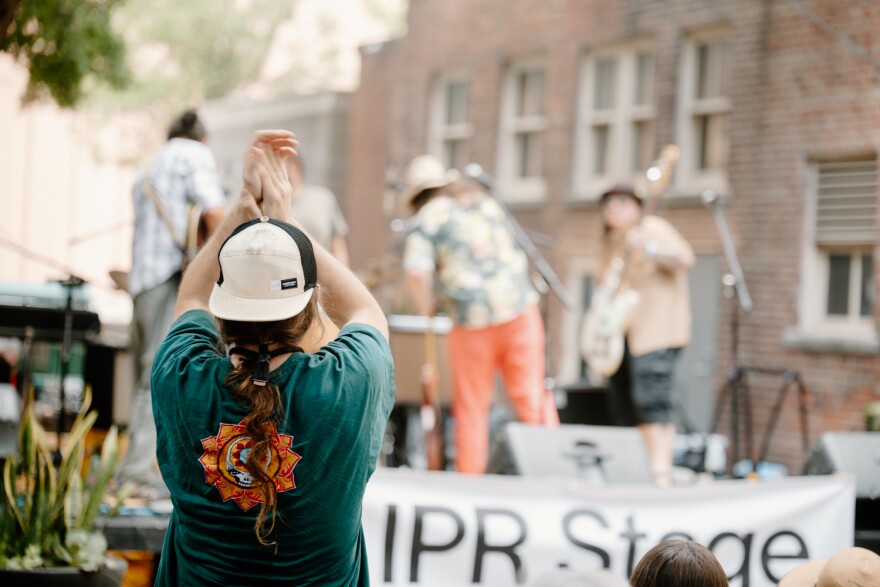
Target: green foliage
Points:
x,y
69,45
48,516
183,53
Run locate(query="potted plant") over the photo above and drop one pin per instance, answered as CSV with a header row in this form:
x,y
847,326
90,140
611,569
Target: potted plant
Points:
x,y
49,533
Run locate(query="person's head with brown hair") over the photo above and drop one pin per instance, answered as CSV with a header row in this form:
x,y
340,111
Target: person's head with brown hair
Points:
x,y
187,125
679,563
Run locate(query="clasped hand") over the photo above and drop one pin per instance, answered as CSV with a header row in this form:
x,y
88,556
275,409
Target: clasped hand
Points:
x,y
267,189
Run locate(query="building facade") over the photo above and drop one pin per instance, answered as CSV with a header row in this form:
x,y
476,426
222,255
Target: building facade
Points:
x,y
775,105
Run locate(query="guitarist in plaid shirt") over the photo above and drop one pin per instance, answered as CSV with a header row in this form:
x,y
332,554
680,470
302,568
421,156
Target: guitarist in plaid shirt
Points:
x,y
183,172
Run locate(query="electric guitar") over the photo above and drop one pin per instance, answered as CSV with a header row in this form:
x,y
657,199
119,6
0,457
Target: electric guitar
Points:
x,y
601,337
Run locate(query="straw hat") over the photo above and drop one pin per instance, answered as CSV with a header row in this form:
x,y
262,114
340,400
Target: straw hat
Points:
x,y
424,173
850,566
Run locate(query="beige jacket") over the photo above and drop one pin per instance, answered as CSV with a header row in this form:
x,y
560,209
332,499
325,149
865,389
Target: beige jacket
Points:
x,y
662,317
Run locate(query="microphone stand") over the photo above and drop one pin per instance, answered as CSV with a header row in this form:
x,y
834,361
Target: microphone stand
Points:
x,y
735,388
66,345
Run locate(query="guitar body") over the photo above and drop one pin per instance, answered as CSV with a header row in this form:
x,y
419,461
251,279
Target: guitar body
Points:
x,y
601,337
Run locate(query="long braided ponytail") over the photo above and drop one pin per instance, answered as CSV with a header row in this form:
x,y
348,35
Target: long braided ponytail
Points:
x,y
251,386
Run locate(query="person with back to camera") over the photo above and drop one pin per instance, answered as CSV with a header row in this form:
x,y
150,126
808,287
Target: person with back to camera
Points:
x,y
182,173
461,241
267,451
679,563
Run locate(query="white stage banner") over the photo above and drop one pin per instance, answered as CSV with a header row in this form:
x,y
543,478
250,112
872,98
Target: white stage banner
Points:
x,y
445,530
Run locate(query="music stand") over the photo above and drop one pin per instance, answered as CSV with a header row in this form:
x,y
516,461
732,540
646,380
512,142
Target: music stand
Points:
x,y
735,388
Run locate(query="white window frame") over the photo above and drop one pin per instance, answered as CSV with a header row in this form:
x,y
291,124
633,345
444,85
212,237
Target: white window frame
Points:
x,y
815,324
689,180
439,130
512,188
621,118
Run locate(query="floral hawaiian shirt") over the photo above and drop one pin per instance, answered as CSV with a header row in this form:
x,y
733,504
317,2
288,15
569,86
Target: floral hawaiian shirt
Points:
x,y
481,274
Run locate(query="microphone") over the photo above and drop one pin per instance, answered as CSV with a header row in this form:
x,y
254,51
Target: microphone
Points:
x,y
475,172
710,198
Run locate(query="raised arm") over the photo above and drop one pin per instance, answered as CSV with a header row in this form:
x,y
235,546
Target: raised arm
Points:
x,y
344,297
203,272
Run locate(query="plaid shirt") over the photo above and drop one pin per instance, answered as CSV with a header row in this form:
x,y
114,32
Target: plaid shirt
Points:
x,y
183,172
482,275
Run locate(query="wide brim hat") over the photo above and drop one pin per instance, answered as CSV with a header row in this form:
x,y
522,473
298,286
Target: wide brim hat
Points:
x,y
424,173
849,566
267,273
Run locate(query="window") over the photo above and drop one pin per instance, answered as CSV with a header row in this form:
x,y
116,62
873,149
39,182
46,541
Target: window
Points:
x,y
521,148
704,115
615,130
838,294
846,230
450,128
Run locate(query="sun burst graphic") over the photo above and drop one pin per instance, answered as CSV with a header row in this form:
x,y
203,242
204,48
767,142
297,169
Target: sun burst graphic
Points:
x,y
225,462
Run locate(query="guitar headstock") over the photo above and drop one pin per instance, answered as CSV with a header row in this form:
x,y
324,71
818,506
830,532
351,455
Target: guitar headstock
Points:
x,y
660,173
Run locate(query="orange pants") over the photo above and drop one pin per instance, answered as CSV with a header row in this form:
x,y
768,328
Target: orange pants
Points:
x,y
517,349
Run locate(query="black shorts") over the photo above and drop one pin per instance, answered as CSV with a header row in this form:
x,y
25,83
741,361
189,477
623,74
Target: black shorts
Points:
x,y
652,385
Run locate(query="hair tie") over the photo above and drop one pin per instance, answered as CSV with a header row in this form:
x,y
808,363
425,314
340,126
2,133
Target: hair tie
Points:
x,y
260,372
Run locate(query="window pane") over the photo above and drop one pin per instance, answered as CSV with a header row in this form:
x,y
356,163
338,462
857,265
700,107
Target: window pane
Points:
x,y
710,74
456,102
603,85
643,145
702,69
711,135
528,154
644,79
600,149
867,285
454,153
838,285
530,93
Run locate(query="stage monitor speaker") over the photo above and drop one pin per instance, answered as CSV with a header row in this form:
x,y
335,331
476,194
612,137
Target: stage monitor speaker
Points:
x,y
602,454
848,452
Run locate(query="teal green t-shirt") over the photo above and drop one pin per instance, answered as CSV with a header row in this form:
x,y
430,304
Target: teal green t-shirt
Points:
x,y
336,403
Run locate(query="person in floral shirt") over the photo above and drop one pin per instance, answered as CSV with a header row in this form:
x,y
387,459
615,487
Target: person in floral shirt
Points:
x,y
460,257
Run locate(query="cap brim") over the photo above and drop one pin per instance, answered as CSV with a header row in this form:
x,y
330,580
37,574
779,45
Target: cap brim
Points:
x,y
227,306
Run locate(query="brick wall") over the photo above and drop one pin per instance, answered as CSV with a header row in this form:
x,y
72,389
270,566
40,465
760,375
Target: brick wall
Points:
x,y
797,94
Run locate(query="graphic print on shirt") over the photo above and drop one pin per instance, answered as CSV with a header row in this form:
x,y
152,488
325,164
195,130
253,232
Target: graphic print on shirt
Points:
x,y
225,462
